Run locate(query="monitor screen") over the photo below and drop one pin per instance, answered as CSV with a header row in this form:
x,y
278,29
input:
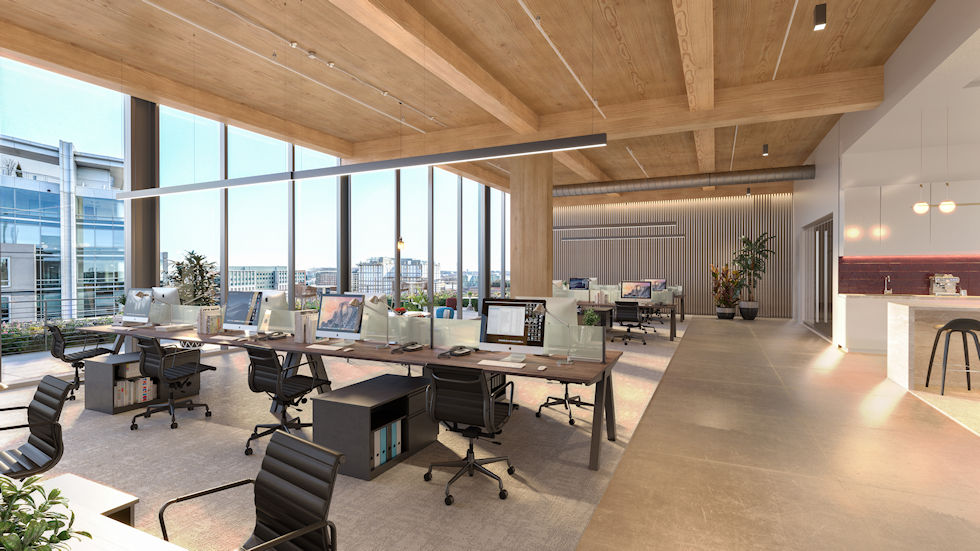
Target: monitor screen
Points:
x,y
166,295
640,290
578,283
242,308
658,284
137,306
340,314
512,324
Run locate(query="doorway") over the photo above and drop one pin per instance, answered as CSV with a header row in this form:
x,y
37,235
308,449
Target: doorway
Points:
x,y
818,304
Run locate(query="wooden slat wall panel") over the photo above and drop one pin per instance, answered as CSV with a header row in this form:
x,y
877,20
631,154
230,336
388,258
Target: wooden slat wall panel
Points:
x,y
711,227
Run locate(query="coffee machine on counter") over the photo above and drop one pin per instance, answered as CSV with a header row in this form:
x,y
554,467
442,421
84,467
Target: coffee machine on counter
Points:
x,y
944,285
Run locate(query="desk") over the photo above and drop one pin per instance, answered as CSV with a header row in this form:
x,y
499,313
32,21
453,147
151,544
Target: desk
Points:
x,y
98,498
580,372
648,306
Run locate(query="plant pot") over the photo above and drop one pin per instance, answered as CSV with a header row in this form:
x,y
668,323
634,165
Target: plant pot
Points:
x,y
725,313
748,309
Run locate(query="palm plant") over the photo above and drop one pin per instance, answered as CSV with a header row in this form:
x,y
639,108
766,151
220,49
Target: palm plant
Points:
x,y
751,260
196,279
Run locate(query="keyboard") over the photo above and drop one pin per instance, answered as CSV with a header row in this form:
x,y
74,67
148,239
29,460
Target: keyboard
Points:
x,y
496,363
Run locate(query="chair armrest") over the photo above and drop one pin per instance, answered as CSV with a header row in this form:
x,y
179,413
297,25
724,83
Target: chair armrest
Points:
x,y
499,391
163,526
271,544
182,357
13,408
28,426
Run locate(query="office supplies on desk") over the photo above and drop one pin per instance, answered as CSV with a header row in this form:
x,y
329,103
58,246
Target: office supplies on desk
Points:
x,y
497,363
327,347
171,327
407,347
456,352
542,367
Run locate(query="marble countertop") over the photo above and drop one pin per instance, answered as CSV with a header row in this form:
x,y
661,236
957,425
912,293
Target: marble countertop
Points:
x,y
909,297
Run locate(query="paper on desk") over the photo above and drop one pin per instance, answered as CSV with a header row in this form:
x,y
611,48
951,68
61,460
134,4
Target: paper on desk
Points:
x,y
225,338
328,347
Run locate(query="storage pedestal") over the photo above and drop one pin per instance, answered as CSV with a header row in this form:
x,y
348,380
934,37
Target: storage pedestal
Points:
x,y
102,374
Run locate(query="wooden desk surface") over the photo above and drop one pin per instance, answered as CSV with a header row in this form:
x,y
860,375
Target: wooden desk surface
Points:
x,y
579,372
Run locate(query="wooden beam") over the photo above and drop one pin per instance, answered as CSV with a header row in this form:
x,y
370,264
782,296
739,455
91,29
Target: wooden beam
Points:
x,y
695,36
776,100
673,194
398,24
479,173
581,165
51,54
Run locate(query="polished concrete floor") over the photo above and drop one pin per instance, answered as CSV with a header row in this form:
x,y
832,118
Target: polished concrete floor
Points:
x,y
763,436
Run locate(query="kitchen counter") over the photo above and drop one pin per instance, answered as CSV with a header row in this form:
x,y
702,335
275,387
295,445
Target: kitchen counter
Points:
x,y
912,326
863,318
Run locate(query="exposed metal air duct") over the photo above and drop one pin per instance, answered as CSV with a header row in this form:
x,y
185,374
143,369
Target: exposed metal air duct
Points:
x,y
738,178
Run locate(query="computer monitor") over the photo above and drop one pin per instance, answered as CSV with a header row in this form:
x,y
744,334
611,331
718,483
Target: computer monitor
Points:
x,y
137,308
513,325
166,295
578,283
658,284
272,301
635,290
242,311
340,317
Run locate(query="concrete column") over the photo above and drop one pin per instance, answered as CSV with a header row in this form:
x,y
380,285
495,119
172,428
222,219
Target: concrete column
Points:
x,y
69,234
531,250
142,215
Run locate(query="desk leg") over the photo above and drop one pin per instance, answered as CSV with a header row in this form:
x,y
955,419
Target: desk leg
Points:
x,y
597,411
319,371
683,310
610,410
117,346
673,323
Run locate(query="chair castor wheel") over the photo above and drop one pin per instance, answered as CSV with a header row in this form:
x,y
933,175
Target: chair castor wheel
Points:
x,y
72,397
427,477
207,413
511,470
625,343
571,421
173,425
644,343
503,494
449,500
146,415
248,451
191,408
134,426
538,414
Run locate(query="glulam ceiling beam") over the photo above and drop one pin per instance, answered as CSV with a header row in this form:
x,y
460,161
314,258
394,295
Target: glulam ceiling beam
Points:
x,y
778,100
695,36
68,59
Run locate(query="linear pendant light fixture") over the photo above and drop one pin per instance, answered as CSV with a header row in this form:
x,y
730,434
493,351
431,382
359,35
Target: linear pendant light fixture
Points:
x,y
623,226
622,237
469,155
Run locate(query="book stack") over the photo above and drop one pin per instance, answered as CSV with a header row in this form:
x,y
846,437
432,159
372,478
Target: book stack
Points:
x,y
137,391
209,320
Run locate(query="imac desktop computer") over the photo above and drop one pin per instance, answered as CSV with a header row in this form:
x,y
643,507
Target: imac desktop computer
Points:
x,y
513,325
578,283
242,311
137,308
340,317
271,303
635,290
161,301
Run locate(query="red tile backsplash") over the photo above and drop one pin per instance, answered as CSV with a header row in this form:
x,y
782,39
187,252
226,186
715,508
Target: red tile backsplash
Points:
x,y
910,274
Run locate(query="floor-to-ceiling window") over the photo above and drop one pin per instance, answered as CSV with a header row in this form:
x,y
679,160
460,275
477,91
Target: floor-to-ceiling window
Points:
x,y
373,233
471,246
445,242
257,214
190,151
316,228
415,236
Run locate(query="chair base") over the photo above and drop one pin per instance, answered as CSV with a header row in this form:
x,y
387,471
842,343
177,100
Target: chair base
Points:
x,y
471,465
566,402
77,383
171,406
628,336
284,425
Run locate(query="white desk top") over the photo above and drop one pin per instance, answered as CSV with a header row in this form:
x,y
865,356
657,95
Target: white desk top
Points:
x,y
82,492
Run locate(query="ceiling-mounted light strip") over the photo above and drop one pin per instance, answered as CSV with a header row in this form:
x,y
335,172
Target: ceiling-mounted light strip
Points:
x,y
626,226
623,237
469,155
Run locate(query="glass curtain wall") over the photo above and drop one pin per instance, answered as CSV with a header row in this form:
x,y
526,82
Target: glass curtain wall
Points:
x,y
190,232
415,234
372,247
445,240
316,229
497,237
257,214
471,246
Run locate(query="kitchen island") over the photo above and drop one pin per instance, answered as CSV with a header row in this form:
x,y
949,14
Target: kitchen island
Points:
x,y
912,326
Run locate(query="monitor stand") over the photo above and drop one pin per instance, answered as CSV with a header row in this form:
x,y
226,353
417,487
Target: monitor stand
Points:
x,y
515,358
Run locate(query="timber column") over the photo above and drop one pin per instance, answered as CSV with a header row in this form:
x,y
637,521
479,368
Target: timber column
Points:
x,y
531,245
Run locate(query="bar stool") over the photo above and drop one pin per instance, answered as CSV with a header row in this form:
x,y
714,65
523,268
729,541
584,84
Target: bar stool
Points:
x,y
961,326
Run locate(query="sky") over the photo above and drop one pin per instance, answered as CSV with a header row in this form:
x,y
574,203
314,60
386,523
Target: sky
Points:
x,y
45,107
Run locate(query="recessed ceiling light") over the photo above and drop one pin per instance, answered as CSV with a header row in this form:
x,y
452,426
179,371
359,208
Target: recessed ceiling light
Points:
x,y
765,150
820,17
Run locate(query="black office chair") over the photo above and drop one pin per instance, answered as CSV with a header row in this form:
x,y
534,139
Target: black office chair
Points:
x,y
45,445
173,367
292,497
463,401
963,326
75,359
567,401
266,374
628,315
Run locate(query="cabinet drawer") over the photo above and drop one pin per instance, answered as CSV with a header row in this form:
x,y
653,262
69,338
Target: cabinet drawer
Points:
x,y
416,402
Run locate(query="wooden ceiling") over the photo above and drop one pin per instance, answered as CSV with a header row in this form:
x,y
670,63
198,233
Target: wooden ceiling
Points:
x,y
672,79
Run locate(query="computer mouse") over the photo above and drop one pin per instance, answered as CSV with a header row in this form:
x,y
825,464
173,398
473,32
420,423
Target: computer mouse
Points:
x,y
542,367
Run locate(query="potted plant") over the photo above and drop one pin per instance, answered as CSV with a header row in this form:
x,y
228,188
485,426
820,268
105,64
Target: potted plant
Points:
x,y
751,260
31,519
591,343
725,284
